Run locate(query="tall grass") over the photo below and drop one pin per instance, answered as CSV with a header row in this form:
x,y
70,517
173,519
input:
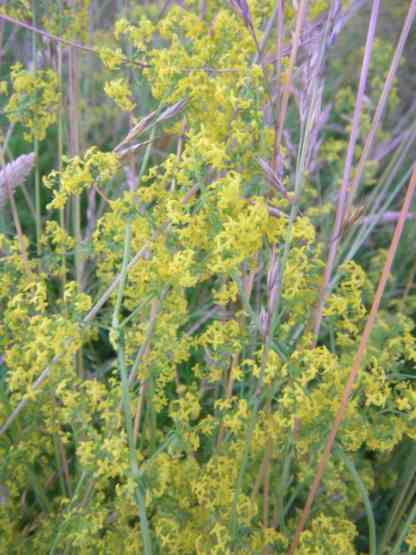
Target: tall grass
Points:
x,y
207,319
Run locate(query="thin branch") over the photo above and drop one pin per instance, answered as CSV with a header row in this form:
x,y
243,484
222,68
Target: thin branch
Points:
x,y
55,38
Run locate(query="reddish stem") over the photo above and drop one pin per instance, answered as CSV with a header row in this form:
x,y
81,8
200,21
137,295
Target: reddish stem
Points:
x,y
356,362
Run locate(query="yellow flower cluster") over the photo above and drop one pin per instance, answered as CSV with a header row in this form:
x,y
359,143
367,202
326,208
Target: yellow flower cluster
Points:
x,y
20,9
192,412
119,91
34,102
79,173
68,20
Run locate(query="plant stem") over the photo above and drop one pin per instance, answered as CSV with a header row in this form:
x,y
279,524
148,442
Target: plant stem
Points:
x,y
403,533
36,149
364,494
343,194
356,362
61,145
119,343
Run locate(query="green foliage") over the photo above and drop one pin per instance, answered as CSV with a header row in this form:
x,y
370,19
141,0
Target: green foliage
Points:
x,y
170,395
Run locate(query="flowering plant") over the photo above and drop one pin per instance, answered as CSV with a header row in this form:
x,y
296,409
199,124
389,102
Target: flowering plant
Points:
x,y
194,358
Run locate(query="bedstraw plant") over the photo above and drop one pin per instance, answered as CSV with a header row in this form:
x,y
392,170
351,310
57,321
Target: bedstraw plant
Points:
x,y
206,341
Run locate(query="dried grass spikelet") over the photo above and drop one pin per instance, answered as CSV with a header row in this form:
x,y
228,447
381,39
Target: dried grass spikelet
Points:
x,y
14,174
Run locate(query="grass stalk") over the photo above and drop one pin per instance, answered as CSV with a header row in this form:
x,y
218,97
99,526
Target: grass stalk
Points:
x,y
372,537
407,25
403,532
74,150
279,48
358,358
36,147
343,194
366,230
377,199
61,527
18,227
119,343
300,17
61,143
406,491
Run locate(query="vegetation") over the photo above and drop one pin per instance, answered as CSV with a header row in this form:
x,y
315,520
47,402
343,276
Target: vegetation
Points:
x,y
207,273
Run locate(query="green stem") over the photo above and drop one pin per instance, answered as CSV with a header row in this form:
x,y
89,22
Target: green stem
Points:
x,y
238,487
146,156
400,503
404,531
283,485
364,494
58,464
67,510
119,341
244,461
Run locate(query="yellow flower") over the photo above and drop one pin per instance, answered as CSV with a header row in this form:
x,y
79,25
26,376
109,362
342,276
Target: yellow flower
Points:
x,y
119,91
